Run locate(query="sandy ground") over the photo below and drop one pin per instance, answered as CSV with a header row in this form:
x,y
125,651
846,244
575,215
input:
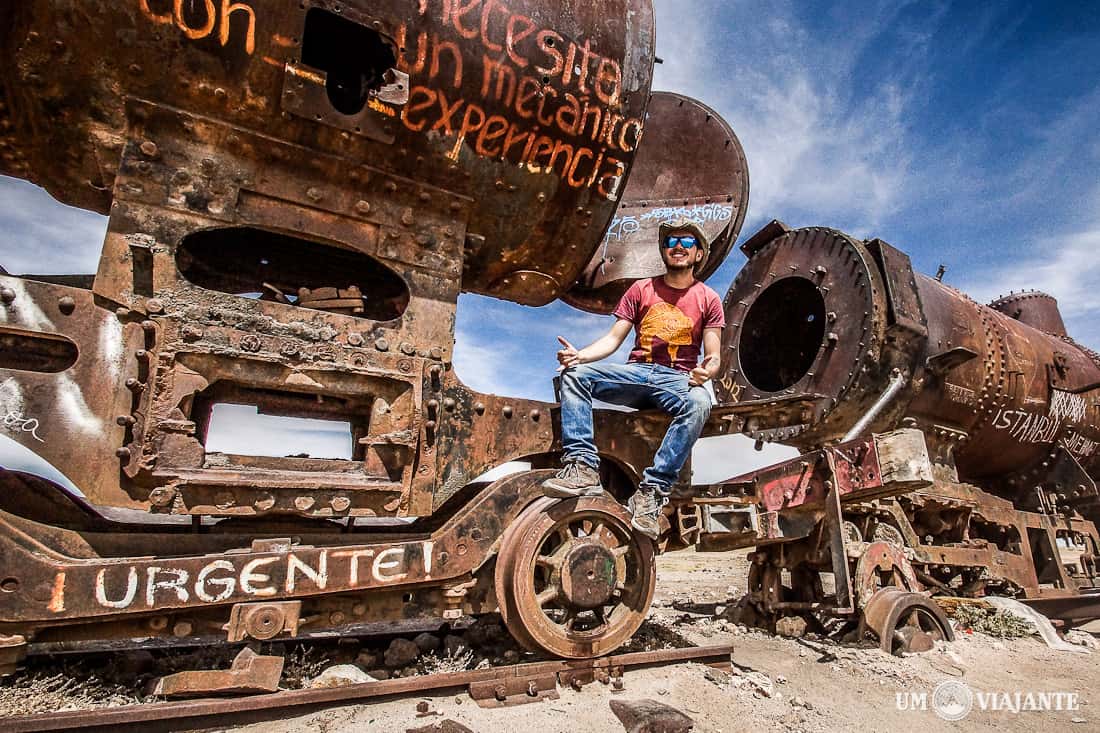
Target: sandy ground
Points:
x,y
816,686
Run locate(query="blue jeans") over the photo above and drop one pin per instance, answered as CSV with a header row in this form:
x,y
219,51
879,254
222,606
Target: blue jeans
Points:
x,y
642,386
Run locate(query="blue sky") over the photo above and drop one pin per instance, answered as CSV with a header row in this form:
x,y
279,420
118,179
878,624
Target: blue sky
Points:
x,y
966,134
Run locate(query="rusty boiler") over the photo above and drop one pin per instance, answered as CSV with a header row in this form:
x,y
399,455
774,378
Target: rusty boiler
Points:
x,y
954,444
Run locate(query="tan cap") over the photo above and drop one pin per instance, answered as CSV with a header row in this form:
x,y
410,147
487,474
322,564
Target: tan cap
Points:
x,y
685,225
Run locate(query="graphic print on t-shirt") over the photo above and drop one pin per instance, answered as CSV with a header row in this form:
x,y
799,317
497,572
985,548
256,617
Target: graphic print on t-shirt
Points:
x,y
667,323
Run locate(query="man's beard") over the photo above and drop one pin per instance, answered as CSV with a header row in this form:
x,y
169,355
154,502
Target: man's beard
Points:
x,y
685,264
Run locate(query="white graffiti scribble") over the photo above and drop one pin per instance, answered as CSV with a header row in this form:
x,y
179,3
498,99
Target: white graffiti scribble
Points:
x,y
624,226
700,214
15,421
1067,406
1026,427
1079,445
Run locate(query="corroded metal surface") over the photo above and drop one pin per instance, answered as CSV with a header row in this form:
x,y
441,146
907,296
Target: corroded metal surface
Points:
x,y
1001,397
533,108
830,336
250,673
906,622
1036,309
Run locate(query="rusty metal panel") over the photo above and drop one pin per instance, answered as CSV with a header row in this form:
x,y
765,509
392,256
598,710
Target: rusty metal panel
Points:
x,y
690,165
901,287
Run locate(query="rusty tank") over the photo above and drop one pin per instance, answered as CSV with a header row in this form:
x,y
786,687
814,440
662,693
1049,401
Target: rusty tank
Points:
x,y
297,193
947,446
822,315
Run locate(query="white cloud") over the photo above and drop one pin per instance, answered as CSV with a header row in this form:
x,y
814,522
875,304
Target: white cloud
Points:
x,y
42,236
788,93
1064,266
726,456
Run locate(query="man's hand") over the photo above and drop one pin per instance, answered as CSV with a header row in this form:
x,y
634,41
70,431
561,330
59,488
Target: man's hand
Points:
x,y
569,356
700,375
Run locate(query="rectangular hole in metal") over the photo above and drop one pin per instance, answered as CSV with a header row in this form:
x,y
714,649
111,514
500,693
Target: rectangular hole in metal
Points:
x,y
242,430
142,258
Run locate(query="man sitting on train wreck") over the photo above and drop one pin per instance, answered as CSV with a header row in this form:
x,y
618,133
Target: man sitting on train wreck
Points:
x,y
674,317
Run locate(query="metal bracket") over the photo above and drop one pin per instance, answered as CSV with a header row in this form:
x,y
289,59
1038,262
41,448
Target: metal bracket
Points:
x,y
263,621
514,691
13,650
834,525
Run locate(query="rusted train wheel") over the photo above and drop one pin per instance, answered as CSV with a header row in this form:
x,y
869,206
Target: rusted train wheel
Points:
x,y
905,622
572,578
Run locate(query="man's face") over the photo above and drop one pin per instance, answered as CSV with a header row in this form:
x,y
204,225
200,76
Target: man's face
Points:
x,y
679,257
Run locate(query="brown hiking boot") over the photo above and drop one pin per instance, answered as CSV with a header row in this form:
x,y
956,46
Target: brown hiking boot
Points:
x,y
573,480
645,509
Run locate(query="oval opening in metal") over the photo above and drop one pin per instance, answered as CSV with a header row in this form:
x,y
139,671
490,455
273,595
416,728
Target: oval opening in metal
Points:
x,y
781,334
284,269
33,351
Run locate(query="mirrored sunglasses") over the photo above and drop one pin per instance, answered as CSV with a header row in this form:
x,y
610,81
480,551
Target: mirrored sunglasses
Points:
x,y
686,242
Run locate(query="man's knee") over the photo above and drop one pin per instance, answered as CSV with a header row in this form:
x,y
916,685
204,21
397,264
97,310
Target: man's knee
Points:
x,y
698,403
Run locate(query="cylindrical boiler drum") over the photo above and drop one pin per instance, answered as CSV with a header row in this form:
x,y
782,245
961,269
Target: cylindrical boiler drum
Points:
x,y
823,317
533,109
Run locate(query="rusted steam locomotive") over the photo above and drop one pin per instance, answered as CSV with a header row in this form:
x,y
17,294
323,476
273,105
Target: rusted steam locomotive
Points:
x,y
298,192
987,485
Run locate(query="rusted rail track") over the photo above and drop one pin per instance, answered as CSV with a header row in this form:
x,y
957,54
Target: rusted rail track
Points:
x,y
495,687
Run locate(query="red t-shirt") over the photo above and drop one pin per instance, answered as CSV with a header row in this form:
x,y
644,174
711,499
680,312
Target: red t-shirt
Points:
x,y
669,322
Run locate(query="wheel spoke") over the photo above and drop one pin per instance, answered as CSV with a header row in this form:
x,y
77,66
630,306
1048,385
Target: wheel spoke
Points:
x,y
564,534
551,562
546,595
601,532
620,551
